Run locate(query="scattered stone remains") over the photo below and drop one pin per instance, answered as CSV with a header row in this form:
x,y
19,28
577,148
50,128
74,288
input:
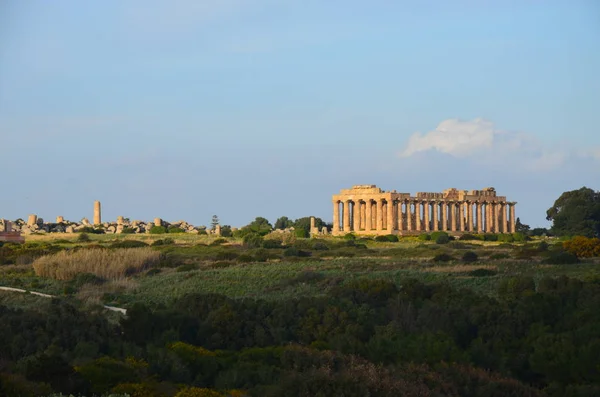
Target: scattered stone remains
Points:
x,y
9,235
368,210
10,230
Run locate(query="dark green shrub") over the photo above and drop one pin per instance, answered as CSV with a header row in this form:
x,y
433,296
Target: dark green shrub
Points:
x,y
490,237
519,237
442,258
128,244
293,251
158,230
86,278
469,257
392,238
187,267
271,244
164,241
500,255
253,240
506,238
245,258
174,229
349,236
225,256
218,241
128,230
468,236
424,237
458,245
83,238
203,232
561,258
153,271
320,246
526,254
381,239
262,255
434,235
543,246
482,273
442,239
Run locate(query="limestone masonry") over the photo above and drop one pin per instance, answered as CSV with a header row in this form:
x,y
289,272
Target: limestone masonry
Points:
x,y
12,231
368,210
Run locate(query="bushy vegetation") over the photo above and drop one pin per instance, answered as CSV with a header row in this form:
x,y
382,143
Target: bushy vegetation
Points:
x,y
108,264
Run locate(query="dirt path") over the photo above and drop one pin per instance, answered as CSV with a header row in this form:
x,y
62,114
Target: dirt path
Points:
x,y
114,309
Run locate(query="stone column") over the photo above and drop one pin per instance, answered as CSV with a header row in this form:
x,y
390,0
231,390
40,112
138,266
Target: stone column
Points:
x,y
157,222
120,220
444,216
8,226
32,220
346,216
418,225
60,219
400,215
356,217
368,215
461,216
336,217
452,216
408,216
470,216
436,222
390,216
97,213
497,218
426,210
479,222
379,226
513,220
488,217
502,217
363,215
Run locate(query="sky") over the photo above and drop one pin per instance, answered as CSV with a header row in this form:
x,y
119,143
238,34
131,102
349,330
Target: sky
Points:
x,y
182,109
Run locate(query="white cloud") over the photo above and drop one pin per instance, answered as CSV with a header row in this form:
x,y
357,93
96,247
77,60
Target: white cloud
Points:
x,y
480,141
455,137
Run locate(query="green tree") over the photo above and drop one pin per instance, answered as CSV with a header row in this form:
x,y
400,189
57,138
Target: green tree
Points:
x,y
214,222
304,223
576,213
283,223
260,226
521,227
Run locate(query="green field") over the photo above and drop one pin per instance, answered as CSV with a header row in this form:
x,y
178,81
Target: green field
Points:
x,y
193,263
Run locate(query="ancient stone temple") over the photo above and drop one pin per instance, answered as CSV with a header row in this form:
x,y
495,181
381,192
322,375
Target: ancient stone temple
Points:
x,y
369,210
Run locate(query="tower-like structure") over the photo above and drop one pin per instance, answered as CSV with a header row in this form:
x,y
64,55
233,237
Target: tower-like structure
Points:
x,y
97,213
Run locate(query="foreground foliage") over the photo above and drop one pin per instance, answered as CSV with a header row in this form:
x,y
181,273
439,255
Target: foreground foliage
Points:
x,y
365,337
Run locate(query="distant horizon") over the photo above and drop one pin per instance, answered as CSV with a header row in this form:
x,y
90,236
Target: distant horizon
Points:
x,y
254,108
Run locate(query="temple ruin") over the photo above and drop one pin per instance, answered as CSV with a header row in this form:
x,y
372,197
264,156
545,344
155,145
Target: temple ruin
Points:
x,y
369,210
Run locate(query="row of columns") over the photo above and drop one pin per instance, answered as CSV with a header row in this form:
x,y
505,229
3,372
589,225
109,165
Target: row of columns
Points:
x,y
422,215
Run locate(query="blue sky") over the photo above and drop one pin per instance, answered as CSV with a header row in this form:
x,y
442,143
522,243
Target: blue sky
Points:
x,y
185,109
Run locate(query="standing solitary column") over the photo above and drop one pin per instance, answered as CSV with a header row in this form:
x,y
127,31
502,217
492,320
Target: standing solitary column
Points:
x,y
356,217
31,220
436,223
97,213
390,216
513,227
479,223
444,216
379,215
336,217
408,216
368,215
346,216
